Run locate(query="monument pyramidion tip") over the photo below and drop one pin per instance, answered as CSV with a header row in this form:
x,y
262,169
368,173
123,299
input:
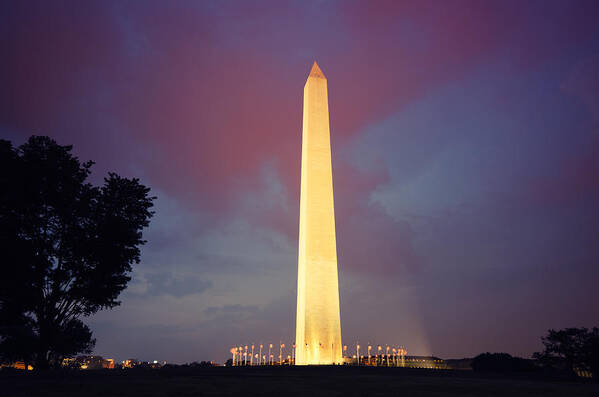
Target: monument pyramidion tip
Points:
x,y
316,72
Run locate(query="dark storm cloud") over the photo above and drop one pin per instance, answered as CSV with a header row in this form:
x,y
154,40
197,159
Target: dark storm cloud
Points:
x,y
231,310
165,283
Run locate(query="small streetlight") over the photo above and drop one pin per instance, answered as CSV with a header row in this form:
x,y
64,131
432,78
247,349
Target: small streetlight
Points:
x,y
358,352
260,354
281,346
252,356
369,347
293,354
387,355
403,356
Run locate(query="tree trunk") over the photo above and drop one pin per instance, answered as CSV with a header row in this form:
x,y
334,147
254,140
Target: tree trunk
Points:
x,y
41,360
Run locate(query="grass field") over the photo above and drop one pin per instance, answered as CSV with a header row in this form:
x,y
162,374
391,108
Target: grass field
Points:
x,y
284,381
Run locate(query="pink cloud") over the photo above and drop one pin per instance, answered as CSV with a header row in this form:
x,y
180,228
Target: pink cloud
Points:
x,y
214,93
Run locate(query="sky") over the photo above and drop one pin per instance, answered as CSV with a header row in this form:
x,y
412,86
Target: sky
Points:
x,y
465,150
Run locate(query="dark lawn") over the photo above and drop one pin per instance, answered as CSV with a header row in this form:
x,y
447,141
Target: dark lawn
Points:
x,y
285,381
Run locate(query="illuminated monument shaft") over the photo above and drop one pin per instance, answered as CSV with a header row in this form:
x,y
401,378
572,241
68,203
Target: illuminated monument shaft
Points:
x,y
318,328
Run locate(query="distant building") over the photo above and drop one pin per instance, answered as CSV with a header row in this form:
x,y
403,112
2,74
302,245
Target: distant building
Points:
x,y
425,362
135,363
16,365
88,362
397,361
131,363
108,363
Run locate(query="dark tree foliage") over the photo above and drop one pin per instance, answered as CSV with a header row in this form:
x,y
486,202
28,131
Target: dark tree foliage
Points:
x,y
501,362
66,248
196,364
571,349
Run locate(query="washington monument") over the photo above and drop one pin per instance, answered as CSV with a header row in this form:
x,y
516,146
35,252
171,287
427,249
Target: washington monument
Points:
x,y
318,328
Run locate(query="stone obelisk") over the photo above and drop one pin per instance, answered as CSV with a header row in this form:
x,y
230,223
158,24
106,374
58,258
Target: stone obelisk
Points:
x,y
318,328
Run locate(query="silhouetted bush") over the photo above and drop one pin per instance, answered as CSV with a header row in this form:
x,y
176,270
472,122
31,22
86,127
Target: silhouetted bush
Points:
x,y
571,349
501,362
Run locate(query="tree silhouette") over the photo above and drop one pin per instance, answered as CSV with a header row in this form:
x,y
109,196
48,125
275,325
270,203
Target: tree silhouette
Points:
x,y
571,349
501,362
66,248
